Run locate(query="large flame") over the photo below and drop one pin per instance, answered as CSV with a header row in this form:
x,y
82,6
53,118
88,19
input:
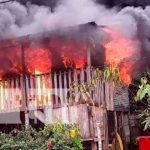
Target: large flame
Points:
x,y
38,60
76,62
120,51
55,53
74,54
49,54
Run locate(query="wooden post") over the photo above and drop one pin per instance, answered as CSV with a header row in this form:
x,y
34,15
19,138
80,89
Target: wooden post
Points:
x,y
32,93
69,78
9,95
60,89
12,92
24,88
88,69
48,110
89,56
22,101
98,125
17,96
4,100
106,138
55,90
50,90
65,87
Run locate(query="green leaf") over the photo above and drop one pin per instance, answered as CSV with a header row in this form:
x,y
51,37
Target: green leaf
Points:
x,y
148,89
143,93
147,123
144,80
138,94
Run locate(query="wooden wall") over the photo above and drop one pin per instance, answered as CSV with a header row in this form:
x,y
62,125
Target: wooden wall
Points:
x,y
92,121
51,90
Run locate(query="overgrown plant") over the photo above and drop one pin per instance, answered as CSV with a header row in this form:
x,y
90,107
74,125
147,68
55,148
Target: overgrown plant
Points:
x,y
144,93
55,136
61,136
85,89
112,73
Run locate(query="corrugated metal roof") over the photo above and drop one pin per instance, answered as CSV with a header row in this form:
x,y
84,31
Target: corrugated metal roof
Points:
x,y
121,99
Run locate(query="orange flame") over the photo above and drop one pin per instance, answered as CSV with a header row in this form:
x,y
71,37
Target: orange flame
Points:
x,y
37,72
120,50
50,54
38,60
74,63
74,54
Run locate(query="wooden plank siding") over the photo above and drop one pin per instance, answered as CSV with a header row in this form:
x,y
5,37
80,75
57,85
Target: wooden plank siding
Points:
x,y
49,93
51,89
85,116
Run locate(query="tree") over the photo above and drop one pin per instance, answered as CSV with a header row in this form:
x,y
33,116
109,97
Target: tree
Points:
x,y
143,94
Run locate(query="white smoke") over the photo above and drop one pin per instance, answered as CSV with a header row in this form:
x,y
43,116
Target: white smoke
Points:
x,y
17,19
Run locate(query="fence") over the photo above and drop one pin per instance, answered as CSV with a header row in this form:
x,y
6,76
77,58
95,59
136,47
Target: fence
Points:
x,y
51,89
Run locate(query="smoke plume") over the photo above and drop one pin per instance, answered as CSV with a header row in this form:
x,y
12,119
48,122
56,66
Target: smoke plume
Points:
x,y
19,19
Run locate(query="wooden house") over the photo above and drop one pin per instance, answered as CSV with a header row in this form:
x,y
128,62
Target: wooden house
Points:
x,y
43,96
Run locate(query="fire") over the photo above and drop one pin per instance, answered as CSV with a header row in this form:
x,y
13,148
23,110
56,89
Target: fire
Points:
x,y
120,50
125,73
42,88
74,54
76,63
67,61
45,55
38,88
37,72
80,63
38,60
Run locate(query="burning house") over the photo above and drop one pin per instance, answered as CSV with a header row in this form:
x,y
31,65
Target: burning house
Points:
x,y
38,70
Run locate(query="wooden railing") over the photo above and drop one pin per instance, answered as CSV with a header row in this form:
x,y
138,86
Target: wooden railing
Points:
x,y
51,90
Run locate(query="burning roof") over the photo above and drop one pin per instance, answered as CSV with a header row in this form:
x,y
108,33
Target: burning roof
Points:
x,y
73,47
66,48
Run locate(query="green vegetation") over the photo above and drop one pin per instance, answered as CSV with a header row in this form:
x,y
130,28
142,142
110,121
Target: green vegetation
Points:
x,y
110,73
143,95
56,136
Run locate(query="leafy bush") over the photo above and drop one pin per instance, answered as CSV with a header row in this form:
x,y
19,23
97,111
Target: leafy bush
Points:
x,y
144,93
56,136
